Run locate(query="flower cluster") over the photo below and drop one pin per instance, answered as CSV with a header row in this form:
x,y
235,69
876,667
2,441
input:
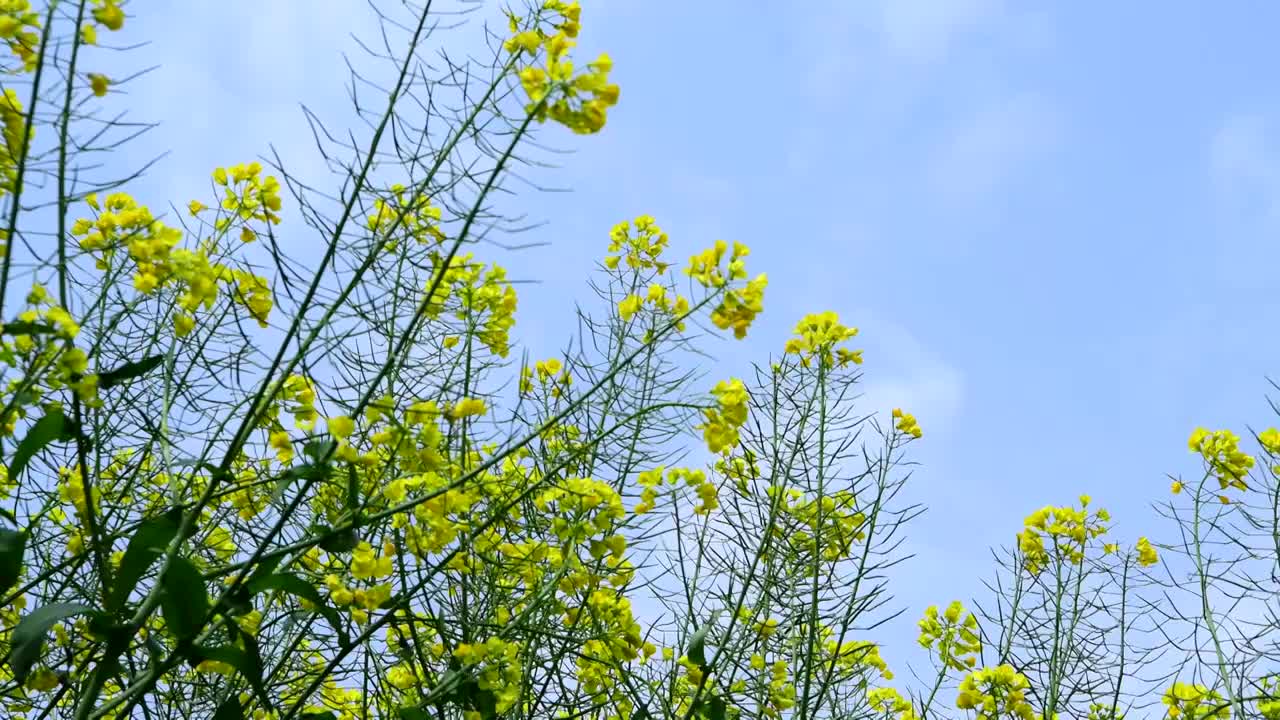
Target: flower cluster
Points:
x,y
582,507
708,494
720,429
579,102
996,692
368,565
49,353
1068,528
467,407
906,423
1194,702
488,303
16,133
826,526
246,196
860,655
299,393
1270,441
888,701
622,640
782,692
1269,707
817,335
955,641
1223,456
498,665
550,373
414,217
640,249
108,14
1146,553
159,263
19,29
650,480
738,306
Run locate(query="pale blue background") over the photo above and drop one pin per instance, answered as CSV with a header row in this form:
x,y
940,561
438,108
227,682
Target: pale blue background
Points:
x,y
1055,223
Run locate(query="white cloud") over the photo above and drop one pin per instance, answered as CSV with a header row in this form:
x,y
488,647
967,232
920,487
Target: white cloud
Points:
x,y
905,373
981,155
923,30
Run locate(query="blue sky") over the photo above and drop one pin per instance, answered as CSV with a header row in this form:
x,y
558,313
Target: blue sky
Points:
x,y
1055,224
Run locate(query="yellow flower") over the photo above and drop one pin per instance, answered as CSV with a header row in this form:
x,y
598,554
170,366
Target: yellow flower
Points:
x,y
996,692
108,14
467,407
402,677
817,335
1194,702
145,282
74,361
395,491
283,446
641,249
720,429
1270,440
628,306
955,640
99,84
906,423
183,324
42,680
1222,455
1146,553
341,426
366,565
527,41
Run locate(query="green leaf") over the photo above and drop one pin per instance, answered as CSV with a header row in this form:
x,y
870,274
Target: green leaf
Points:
x,y
230,709
412,713
286,582
184,598
353,488
53,427
296,586
248,666
253,665
325,715
717,708
28,637
484,701
338,542
697,652
128,371
318,449
240,600
265,568
27,328
298,472
155,651
13,545
149,542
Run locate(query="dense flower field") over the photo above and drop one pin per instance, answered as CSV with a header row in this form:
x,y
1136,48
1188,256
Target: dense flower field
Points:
x,y
238,483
